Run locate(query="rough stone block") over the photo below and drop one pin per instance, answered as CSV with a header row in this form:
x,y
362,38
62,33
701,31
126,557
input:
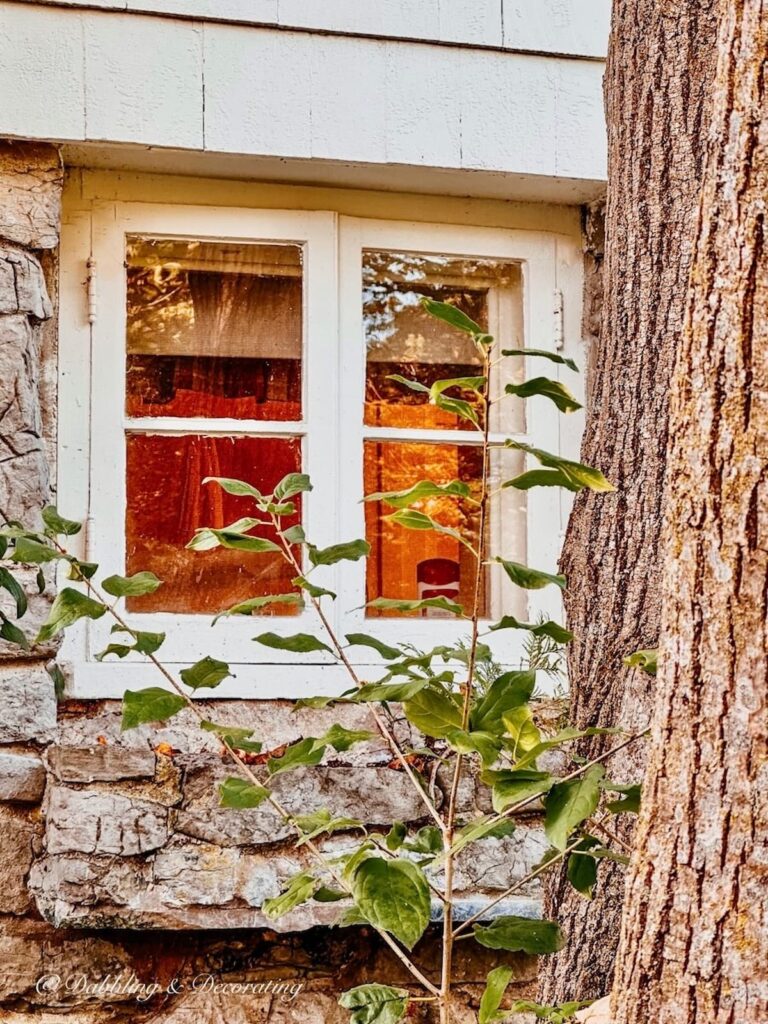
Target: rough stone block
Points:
x,y
22,778
20,830
22,285
99,822
100,763
29,704
31,180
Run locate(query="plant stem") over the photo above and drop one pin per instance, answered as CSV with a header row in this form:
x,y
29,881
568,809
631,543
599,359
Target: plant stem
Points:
x,y
450,821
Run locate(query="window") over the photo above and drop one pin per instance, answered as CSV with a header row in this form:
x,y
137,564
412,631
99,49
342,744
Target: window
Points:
x,y
251,344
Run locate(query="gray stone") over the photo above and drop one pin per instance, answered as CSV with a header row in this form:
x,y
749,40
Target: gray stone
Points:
x,y
31,180
20,830
28,706
22,285
100,763
196,874
22,778
94,821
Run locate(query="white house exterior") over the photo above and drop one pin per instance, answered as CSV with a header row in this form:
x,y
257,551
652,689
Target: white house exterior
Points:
x,y
302,149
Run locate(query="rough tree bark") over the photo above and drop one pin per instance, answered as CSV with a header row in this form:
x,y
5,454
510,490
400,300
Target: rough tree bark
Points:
x,y
694,946
660,66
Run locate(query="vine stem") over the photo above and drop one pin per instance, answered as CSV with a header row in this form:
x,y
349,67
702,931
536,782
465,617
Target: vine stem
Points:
x,y
446,968
341,654
250,776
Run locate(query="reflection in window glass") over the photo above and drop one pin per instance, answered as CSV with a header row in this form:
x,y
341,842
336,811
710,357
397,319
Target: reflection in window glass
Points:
x,y
402,338
214,329
167,502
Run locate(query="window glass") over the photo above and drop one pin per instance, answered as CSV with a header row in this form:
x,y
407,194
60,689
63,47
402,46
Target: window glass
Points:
x,y
214,329
402,338
167,501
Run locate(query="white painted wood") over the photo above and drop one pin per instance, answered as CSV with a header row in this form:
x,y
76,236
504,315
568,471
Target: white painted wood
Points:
x,y
144,80
558,26
578,27
249,93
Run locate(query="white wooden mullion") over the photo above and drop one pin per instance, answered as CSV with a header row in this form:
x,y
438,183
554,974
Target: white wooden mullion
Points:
x,y
175,425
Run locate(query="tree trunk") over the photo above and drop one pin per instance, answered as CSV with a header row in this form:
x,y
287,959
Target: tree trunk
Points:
x,y
660,67
694,946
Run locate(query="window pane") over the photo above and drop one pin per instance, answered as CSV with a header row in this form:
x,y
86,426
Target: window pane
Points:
x,y
414,564
402,338
214,329
167,502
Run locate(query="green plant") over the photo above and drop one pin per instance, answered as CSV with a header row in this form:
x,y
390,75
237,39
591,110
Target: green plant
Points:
x,y
473,713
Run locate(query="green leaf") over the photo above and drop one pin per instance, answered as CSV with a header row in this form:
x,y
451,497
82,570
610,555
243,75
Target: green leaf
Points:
x,y
554,357
240,794
394,896
396,836
322,822
253,604
570,803
327,895
206,539
205,674
551,629
11,584
451,315
148,643
630,801
291,485
363,640
58,524
78,571
58,678
483,743
433,711
554,1014
564,736
375,1004
350,551
234,735
527,578
521,730
486,827
299,643
414,385
581,870
540,478
495,987
520,935
510,787
150,705
304,752
412,519
547,388
419,492
69,606
457,407
143,643
647,660
576,473
132,586
394,604
32,552
507,691
388,692
300,888
428,841
342,739
12,634
295,534
236,487
312,589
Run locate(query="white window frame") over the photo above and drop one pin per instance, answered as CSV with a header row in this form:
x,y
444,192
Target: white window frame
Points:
x,y
92,422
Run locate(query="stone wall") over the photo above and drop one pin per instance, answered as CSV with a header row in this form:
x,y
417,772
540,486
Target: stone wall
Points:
x,y
117,868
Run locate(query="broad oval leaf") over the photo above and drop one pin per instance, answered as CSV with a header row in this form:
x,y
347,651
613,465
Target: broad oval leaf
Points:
x,y
12,634
57,524
312,588
253,604
522,731
375,1004
11,584
349,551
520,935
577,474
507,691
630,799
299,643
553,357
69,606
205,674
540,478
300,888
32,552
433,711
527,578
581,869
234,735
451,315
511,787
647,660
241,794
206,539
483,743
387,692
555,632
363,640
304,752
152,704
291,485
132,586
394,896
495,987
570,803
547,388
394,604
419,492
236,487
